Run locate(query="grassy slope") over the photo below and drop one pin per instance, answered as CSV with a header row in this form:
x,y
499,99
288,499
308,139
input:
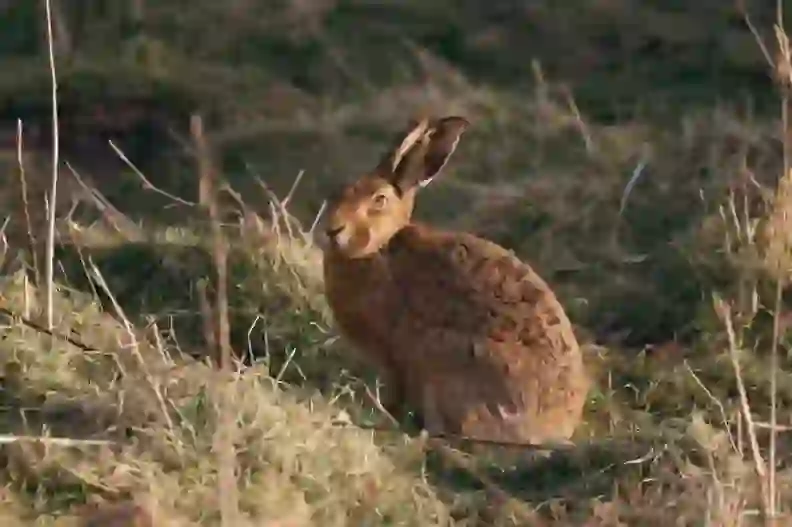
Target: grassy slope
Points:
x,y
319,86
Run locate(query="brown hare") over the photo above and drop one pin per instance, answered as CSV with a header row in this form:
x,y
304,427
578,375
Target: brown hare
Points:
x,y
462,331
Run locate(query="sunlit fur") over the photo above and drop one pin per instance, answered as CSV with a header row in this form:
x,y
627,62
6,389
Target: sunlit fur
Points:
x,y
461,332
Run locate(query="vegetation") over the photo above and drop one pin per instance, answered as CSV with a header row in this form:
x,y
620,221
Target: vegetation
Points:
x,y
632,151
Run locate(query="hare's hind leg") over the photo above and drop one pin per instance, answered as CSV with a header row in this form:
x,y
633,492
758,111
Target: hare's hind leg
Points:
x,y
391,396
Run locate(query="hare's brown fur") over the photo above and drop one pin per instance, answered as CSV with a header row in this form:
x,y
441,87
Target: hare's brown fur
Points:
x,y
463,331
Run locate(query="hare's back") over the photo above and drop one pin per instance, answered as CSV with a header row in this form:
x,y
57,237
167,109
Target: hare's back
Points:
x,y
468,285
488,336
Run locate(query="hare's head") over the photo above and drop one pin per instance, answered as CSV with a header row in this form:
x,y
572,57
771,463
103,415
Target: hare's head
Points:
x,y
365,214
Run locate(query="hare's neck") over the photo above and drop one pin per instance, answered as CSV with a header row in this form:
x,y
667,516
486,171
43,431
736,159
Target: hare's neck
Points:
x,y
411,237
369,270
357,281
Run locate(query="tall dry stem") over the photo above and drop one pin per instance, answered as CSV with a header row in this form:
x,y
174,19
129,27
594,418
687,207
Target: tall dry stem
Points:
x,y
779,247
24,196
777,257
55,162
224,440
723,310
208,194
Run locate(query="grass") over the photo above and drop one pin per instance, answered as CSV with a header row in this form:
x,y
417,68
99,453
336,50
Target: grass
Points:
x,y
672,288
298,463
162,416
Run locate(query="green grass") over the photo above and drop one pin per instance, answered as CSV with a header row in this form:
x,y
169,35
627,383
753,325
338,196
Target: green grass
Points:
x,y
566,101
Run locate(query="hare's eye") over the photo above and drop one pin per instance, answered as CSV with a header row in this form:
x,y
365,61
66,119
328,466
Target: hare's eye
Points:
x,y
379,201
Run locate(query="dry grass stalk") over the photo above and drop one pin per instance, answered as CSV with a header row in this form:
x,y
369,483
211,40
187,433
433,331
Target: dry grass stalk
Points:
x,y
55,164
114,217
147,184
6,439
777,257
208,187
759,465
780,242
25,321
25,204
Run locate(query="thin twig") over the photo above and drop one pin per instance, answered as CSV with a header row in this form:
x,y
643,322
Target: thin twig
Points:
x,y
278,207
284,368
581,124
724,313
715,401
316,220
379,406
113,216
252,326
147,185
41,329
760,42
293,188
55,163
25,204
55,441
4,239
768,426
638,171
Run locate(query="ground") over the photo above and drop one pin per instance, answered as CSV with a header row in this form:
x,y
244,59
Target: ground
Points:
x,y
631,151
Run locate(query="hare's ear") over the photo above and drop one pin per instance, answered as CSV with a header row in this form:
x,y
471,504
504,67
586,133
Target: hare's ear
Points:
x,y
424,151
443,141
405,143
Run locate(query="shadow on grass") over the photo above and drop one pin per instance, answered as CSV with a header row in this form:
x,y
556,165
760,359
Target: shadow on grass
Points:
x,y
277,316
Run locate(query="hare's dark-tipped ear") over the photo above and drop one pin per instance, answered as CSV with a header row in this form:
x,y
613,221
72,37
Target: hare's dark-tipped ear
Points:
x,y
404,143
442,143
426,150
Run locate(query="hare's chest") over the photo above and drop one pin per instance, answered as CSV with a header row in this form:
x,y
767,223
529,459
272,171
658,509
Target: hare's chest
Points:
x,y
363,304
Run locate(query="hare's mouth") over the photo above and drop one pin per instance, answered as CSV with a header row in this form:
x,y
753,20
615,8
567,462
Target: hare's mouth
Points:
x,y
333,232
338,238
349,242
